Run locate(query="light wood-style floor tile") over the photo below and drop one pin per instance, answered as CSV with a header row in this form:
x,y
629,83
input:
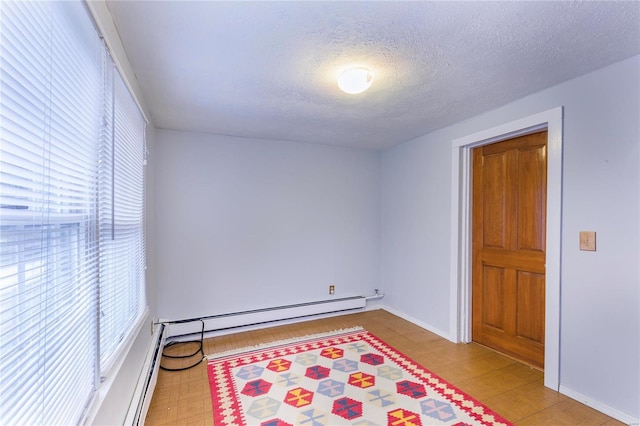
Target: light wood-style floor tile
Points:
x,y
513,390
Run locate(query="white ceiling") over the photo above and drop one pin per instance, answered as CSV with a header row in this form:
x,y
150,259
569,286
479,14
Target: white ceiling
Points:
x,y
268,69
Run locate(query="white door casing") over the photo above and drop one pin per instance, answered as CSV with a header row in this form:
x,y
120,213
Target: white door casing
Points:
x,y
460,289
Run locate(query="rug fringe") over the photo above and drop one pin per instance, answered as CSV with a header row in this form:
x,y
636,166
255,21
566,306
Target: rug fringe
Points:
x,y
283,342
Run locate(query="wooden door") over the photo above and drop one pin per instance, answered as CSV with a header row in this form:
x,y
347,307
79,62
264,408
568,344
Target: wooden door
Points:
x,y
509,229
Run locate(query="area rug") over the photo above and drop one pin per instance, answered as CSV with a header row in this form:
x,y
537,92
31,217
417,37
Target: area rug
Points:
x,y
348,377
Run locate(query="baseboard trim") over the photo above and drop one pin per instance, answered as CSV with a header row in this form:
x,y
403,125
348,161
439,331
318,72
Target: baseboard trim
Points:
x,y
597,405
417,322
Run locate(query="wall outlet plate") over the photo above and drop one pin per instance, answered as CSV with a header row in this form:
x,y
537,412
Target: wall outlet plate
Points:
x,y
588,240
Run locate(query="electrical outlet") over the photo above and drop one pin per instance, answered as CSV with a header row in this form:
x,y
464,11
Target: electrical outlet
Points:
x,y
332,289
588,240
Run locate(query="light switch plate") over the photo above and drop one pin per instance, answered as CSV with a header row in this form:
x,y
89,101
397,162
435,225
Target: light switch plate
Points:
x,y
588,240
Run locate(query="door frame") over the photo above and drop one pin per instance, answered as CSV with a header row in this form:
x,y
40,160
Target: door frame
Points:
x,y
460,290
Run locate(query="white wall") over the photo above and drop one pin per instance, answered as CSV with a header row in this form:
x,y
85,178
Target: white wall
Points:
x,y
415,223
245,224
600,291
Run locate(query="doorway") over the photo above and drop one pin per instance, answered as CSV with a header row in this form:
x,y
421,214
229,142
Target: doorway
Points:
x,y
460,247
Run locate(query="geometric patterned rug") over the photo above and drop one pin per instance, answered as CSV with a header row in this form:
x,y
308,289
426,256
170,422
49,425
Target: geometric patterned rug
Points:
x,y
348,377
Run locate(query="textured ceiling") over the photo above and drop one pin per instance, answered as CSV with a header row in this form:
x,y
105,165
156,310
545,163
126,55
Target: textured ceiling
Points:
x,y
268,69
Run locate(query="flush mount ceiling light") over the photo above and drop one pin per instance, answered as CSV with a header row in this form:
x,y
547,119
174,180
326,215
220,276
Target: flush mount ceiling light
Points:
x,y
355,80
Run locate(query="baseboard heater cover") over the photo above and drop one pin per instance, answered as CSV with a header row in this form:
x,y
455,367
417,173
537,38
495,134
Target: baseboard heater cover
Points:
x,y
265,315
147,380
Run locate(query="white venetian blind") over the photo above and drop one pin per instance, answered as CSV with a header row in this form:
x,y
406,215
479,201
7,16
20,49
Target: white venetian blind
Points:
x,y
51,87
71,212
122,258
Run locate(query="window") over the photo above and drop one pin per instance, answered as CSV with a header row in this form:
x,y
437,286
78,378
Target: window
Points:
x,y
121,219
71,217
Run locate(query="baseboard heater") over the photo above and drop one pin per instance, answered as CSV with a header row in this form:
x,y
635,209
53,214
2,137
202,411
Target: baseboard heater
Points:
x,y
266,315
149,374
147,380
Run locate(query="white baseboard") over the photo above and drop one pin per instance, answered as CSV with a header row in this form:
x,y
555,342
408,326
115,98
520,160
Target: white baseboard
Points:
x,y
428,327
597,405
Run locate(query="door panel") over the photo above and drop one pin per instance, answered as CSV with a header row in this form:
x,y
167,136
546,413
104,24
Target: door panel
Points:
x,y
531,198
493,294
509,227
530,309
495,192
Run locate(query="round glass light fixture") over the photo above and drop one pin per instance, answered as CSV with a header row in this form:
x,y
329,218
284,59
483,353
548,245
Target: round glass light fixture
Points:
x,y
355,80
